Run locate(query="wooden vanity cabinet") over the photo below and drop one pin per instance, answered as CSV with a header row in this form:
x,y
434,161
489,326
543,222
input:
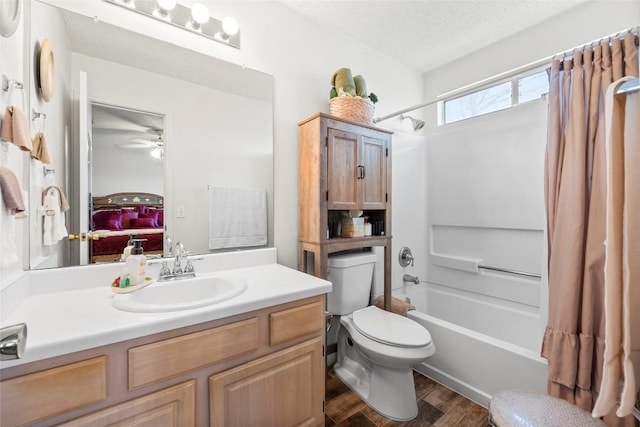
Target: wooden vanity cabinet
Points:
x,y
343,166
265,366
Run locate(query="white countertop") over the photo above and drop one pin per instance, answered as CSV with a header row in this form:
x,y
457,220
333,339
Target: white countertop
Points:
x,y
82,318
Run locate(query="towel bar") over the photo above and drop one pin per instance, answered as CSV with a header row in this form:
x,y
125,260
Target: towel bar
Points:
x,y
505,270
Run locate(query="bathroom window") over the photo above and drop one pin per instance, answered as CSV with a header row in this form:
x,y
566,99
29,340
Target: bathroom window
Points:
x,y
533,86
477,103
497,97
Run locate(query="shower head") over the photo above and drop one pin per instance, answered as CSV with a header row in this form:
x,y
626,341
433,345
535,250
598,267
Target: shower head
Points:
x,y
415,123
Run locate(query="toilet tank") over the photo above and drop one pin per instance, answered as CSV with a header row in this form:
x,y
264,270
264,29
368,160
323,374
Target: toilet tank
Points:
x,y
351,275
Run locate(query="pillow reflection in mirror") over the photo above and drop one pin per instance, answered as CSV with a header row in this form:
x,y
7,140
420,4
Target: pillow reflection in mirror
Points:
x,y
127,216
143,223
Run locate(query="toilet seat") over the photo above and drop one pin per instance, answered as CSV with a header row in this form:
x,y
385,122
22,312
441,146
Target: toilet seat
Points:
x,y
390,328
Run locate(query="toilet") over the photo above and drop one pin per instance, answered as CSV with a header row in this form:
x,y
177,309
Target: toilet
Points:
x,y
376,348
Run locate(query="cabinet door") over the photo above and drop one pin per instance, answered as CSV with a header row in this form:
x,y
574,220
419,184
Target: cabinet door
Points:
x,y
172,407
342,170
280,390
373,193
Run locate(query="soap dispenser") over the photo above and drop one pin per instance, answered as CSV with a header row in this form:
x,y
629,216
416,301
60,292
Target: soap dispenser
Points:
x,y
128,248
136,262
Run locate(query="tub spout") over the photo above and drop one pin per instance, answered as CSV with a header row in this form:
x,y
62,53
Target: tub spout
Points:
x,y
410,278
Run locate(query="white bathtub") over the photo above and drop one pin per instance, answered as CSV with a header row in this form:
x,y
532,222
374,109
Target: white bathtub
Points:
x,y
472,363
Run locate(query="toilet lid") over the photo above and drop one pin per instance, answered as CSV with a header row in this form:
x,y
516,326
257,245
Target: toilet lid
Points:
x,y
390,328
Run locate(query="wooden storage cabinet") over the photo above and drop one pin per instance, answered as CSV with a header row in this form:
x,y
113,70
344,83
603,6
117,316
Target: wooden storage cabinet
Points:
x,y
343,166
273,355
356,171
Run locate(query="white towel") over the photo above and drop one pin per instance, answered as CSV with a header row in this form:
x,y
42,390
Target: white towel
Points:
x,y
237,217
621,365
53,227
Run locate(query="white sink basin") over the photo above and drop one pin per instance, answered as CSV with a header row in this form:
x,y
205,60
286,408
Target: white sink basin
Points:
x,y
181,294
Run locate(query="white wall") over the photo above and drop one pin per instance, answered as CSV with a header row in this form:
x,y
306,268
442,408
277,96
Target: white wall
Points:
x,y
15,231
56,130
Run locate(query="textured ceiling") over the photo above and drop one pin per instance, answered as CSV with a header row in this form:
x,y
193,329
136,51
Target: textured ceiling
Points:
x,y
425,34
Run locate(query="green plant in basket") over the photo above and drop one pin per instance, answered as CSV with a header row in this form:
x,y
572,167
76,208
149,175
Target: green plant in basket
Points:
x,y
344,84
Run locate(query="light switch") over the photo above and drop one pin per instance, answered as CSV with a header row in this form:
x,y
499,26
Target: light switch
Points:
x,y
181,211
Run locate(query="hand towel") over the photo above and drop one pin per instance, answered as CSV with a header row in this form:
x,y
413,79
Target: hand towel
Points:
x,y
11,192
53,226
40,149
63,203
15,128
237,217
397,306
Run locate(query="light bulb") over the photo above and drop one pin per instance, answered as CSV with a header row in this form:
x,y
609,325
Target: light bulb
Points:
x,y
157,153
200,13
230,26
166,5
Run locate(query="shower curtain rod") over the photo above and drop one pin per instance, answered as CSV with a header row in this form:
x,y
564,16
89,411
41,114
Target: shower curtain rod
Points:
x,y
513,72
630,86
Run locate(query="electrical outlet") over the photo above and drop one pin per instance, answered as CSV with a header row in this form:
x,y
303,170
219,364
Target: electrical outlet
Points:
x,y
181,211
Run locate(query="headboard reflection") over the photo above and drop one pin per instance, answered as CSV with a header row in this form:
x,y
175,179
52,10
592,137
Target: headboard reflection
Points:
x,y
118,217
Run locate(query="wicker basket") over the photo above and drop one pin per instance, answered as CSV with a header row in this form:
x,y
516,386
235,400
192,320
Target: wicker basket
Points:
x,y
352,108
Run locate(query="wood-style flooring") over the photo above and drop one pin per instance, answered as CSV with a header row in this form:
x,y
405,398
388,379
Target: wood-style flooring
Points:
x,y
437,406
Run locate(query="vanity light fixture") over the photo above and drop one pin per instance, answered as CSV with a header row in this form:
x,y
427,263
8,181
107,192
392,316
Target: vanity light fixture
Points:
x,y
194,19
199,16
164,8
230,27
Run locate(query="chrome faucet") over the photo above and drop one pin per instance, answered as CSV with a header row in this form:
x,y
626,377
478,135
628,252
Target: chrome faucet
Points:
x,y
168,244
180,254
13,340
410,278
178,272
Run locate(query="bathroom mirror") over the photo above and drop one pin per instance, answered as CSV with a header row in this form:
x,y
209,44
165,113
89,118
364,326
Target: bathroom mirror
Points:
x,y
217,130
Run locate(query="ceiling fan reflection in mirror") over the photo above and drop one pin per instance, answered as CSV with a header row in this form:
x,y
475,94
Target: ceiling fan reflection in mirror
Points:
x,y
155,145
126,129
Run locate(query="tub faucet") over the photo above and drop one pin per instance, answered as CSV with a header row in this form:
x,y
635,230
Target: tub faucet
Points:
x,y
410,278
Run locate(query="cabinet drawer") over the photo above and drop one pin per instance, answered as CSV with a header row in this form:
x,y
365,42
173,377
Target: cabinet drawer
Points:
x,y
295,322
53,391
165,359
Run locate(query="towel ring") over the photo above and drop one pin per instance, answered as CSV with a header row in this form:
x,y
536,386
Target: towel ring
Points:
x,y
42,116
8,85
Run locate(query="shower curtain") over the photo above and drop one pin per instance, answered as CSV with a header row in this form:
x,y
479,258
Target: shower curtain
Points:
x,y
576,197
